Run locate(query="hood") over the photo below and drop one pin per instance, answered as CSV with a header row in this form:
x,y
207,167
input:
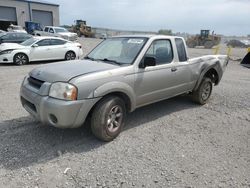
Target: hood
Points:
x,y
10,46
64,71
67,34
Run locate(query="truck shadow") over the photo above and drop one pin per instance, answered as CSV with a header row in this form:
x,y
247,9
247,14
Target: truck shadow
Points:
x,y
24,142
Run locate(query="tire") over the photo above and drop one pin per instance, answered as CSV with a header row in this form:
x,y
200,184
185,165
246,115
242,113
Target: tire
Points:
x,y
202,94
79,34
20,59
108,111
208,44
70,55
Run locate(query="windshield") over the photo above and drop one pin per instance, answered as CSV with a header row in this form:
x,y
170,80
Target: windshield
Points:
x,y
29,42
60,30
122,50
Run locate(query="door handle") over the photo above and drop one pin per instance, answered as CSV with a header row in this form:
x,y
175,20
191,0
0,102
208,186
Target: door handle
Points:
x,y
173,69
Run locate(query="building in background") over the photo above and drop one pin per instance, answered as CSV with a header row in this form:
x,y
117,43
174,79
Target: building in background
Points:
x,y
17,12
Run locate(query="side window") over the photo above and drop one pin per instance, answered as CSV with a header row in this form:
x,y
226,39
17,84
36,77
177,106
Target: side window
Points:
x,y
162,51
46,29
57,42
13,36
22,36
44,42
182,54
19,35
51,30
27,36
6,37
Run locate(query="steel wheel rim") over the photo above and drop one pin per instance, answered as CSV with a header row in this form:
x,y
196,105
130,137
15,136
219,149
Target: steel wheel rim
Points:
x,y
114,120
70,56
20,59
206,91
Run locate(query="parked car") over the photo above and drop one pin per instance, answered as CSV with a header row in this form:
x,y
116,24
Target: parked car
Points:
x,y
56,32
14,37
120,75
40,49
16,28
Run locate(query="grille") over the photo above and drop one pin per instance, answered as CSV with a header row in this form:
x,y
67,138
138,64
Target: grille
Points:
x,y
35,82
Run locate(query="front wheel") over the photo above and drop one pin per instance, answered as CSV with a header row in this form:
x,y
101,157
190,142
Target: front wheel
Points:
x,y
20,59
108,118
202,94
70,55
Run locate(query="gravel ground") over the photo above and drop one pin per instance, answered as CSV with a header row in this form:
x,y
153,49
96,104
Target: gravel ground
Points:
x,y
174,143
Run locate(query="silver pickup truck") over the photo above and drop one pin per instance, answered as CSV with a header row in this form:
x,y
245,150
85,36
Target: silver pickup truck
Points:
x,y
56,32
121,74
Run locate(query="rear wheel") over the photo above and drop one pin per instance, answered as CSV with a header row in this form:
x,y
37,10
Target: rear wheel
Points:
x,y
20,59
108,118
70,55
202,94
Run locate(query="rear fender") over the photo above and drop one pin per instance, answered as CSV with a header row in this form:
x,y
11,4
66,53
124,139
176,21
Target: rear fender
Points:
x,y
216,66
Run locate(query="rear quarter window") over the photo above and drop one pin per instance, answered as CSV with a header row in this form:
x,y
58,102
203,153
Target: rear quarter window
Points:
x,y
182,54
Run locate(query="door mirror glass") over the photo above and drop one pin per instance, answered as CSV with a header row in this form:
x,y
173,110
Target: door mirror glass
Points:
x,y
148,62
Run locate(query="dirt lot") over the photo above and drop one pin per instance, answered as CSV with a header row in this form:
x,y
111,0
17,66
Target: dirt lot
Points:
x,y
174,143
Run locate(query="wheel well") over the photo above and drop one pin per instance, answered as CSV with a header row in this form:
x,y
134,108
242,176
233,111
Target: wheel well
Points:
x,y
213,75
70,51
122,95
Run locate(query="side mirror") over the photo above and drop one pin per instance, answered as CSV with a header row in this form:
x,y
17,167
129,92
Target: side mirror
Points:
x,y
35,45
148,62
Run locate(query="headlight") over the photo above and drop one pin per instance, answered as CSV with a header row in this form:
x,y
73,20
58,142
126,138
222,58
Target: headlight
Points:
x,y
5,52
63,91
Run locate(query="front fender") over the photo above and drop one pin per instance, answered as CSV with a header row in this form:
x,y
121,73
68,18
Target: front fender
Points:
x,y
112,87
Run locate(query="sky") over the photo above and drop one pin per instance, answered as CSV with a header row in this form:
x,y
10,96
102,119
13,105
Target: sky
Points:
x,y
227,17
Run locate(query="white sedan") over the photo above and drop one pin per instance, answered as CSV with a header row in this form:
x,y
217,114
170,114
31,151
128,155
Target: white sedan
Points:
x,y
40,49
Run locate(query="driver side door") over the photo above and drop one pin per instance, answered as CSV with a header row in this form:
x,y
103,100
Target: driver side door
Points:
x,y
157,82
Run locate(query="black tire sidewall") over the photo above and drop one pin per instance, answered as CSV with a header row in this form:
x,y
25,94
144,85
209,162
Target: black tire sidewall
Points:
x,y
206,80
100,115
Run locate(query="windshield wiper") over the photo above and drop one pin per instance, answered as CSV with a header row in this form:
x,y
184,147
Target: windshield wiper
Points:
x,y
110,60
90,58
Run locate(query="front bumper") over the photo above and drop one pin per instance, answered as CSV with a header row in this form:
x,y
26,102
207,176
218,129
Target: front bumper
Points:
x,y
55,112
6,58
